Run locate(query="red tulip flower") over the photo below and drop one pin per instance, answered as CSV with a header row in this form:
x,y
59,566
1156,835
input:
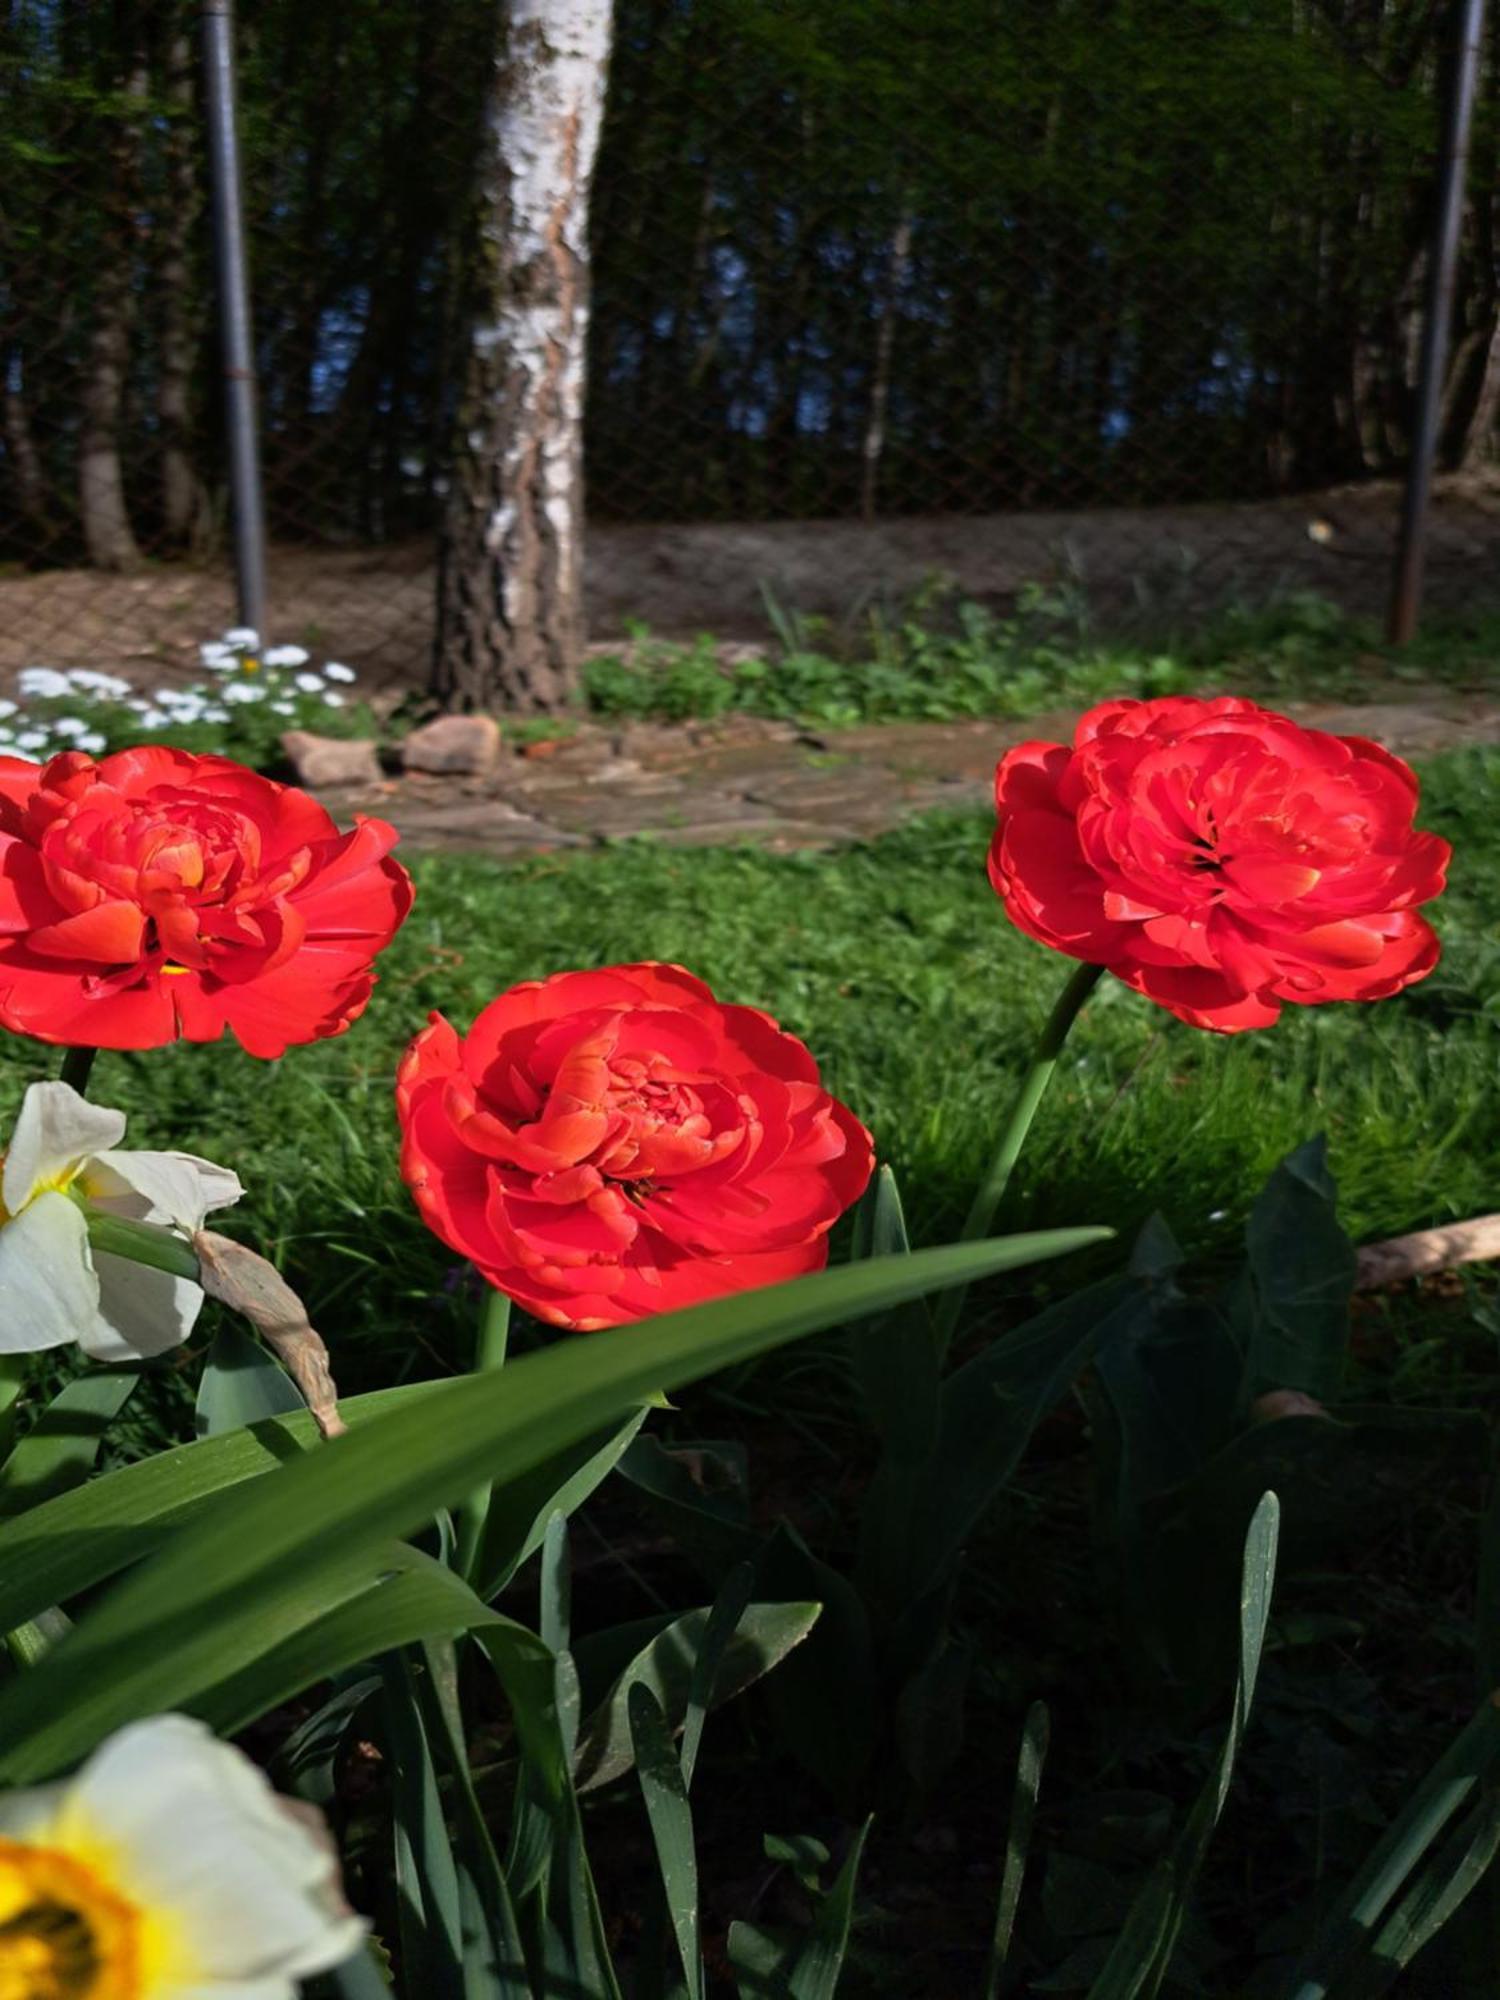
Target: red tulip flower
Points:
x,y
1219,858
609,1144
156,894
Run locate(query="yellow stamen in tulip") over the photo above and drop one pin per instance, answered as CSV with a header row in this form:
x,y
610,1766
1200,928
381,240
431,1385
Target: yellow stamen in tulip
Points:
x,y
64,1934
177,971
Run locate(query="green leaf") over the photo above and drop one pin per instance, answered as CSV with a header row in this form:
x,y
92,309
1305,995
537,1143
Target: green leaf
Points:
x,y
556,1586
1349,1932
992,1405
764,1635
770,1966
141,1243
665,1792
930,1711
426,1875
1034,1740
826,1699
420,1600
1302,1268
305,1762
724,1620
257,1552
1142,1953
698,1493
241,1384
59,1450
518,1509
67,1545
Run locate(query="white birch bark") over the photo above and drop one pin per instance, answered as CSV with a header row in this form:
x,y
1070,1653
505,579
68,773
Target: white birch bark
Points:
x,y
510,623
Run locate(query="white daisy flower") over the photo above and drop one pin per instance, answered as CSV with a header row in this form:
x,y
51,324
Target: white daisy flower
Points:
x,y
309,683
95,742
42,683
285,656
69,725
8,708
283,708
33,739
91,682
332,700
212,713
242,691
242,635
334,671
218,659
167,1869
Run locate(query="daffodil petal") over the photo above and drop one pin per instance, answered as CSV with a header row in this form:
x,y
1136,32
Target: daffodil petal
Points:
x,y
160,1187
141,1311
49,1294
246,1891
55,1132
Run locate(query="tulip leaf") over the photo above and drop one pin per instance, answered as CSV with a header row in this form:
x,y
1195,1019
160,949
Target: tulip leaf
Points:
x,y
241,1384
1302,1270
59,1450
516,1517
763,1636
664,1790
254,1552
774,1966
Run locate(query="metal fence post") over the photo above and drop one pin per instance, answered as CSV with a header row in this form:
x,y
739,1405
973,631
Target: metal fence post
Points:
x,y
1437,321
247,504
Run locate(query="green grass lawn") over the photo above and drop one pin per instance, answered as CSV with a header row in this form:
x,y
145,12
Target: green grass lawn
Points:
x,y
895,962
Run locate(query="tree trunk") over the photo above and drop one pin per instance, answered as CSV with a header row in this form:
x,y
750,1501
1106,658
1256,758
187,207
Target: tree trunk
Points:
x,y
22,457
510,622
182,495
101,486
1479,442
880,379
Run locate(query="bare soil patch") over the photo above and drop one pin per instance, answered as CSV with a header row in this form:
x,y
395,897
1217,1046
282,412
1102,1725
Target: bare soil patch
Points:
x,y
373,607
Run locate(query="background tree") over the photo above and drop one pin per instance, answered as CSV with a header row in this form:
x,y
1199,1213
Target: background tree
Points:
x,y
510,616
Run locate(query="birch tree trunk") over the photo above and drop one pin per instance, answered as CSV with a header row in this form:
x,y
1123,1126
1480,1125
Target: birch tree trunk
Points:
x,y
510,618
107,532
898,256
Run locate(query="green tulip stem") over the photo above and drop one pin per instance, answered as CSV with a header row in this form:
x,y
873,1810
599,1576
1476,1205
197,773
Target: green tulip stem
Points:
x,y
77,1063
981,1217
489,1353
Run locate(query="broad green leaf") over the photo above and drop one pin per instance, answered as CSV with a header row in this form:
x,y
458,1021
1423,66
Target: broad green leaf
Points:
x,y
1034,1740
253,1553
764,1635
1302,1268
930,1711
59,1450
15,1373
241,1384
665,1793
66,1545
1142,1952
556,1586
421,1600
724,1620
991,1406
517,1510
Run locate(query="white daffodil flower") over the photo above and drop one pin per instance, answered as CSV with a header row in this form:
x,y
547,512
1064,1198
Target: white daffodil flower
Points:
x,y
62,1161
167,1869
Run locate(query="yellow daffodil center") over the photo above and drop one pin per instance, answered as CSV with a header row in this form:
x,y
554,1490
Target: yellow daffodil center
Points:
x,y
64,1933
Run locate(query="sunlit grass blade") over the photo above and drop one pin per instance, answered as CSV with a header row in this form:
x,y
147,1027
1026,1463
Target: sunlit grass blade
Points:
x,y
664,1789
1034,1740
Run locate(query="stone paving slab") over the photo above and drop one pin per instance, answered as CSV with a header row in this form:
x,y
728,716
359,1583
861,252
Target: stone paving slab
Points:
x,y
769,784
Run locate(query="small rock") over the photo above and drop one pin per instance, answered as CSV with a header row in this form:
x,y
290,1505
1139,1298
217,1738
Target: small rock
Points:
x,y
465,746
331,760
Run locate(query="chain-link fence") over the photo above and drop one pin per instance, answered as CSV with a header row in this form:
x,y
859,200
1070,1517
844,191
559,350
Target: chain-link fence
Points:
x,y
882,289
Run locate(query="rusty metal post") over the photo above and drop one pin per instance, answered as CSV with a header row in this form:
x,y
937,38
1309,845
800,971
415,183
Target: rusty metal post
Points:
x,y
1437,321
247,506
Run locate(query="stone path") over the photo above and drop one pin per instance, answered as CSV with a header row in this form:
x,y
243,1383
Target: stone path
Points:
x,y
776,786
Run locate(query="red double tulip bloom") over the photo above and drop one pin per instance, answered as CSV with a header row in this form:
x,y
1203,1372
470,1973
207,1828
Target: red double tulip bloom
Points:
x,y
157,894
1219,858
609,1144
